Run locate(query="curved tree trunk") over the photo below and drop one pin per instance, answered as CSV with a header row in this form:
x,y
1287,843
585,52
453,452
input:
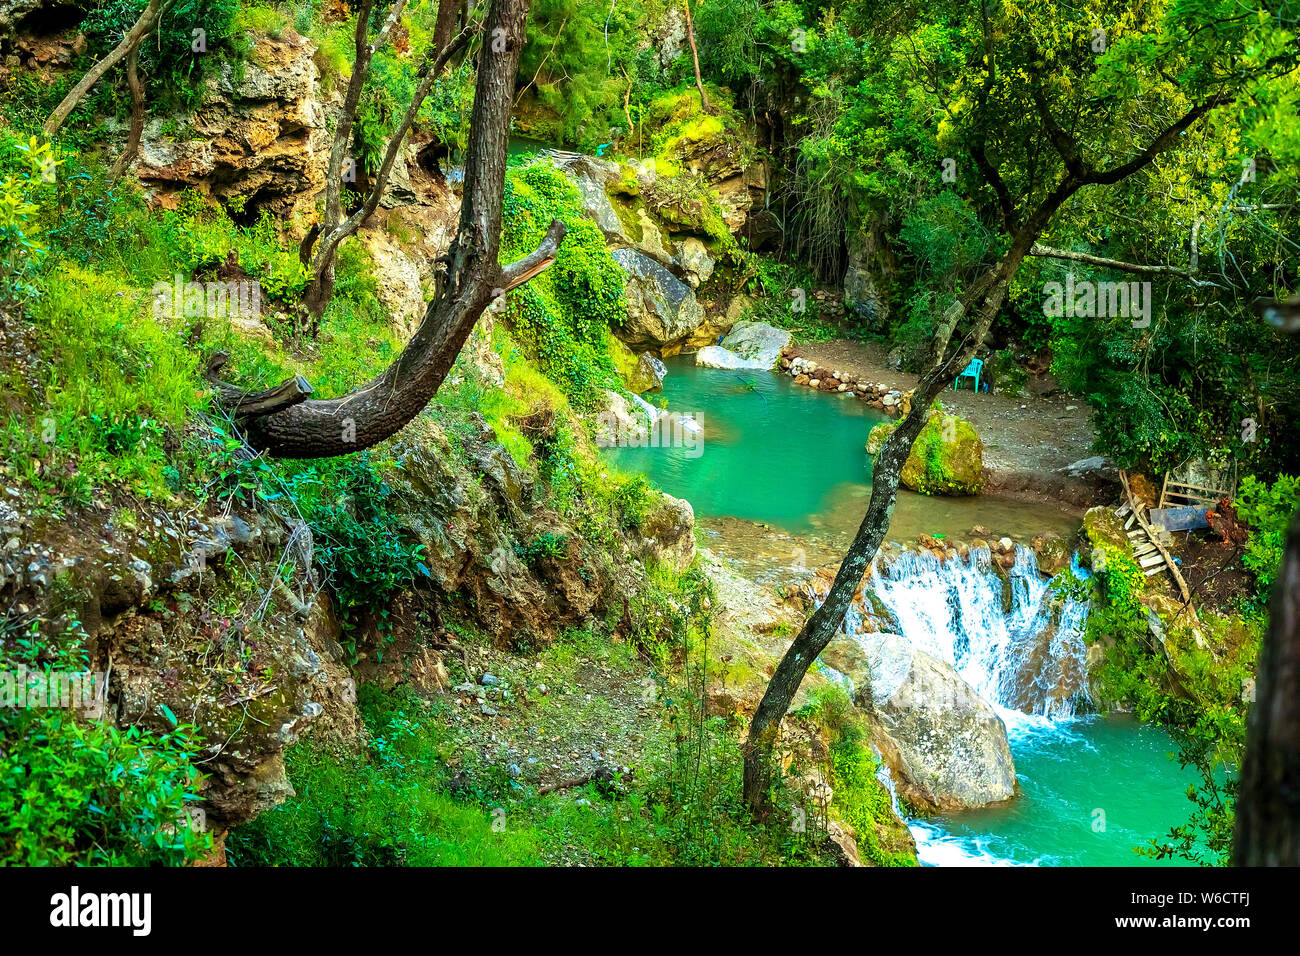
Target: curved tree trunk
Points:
x,y
130,43
137,115
325,428
1268,801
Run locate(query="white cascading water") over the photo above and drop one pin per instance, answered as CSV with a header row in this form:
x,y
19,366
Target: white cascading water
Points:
x,y
959,611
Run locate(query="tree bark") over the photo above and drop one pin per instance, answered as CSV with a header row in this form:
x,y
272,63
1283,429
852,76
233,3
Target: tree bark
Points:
x,y
130,43
325,428
137,115
1268,800
827,619
445,23
695,58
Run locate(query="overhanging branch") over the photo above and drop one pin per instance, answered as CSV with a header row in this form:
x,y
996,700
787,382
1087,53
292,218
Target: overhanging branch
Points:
x,y
1137,268
520,271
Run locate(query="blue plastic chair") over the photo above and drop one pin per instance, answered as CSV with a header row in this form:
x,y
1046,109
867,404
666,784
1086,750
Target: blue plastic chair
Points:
x,y
972,371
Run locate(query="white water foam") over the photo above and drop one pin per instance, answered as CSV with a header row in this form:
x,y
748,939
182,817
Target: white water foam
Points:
x,y
962,612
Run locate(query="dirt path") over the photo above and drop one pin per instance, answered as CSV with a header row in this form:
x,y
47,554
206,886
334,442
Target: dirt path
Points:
x,y
1027,441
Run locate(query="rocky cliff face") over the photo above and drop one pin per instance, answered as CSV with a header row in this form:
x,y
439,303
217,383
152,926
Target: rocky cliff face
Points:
x,y
190,612
257,141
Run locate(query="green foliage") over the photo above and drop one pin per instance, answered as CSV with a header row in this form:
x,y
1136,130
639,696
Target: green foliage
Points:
x,y
357,539
563,315
546,545
862,799
170,59
1198,689
387,808
1268,510
115,385
27,167
77,791
573,63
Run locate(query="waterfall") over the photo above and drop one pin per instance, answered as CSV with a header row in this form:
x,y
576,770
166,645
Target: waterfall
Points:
x,y
1013,636
1017,641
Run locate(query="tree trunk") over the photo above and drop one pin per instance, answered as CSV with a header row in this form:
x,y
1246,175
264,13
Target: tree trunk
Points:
x,y
321,287
130,43
1268,801
828,618
986,293
137,115
695,58
445,24
320,429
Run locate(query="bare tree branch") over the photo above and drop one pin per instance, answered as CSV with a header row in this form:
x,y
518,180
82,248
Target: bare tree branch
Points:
x,y
148,17
1048,252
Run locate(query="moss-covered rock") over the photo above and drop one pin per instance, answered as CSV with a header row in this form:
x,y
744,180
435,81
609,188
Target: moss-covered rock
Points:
x,y
947,457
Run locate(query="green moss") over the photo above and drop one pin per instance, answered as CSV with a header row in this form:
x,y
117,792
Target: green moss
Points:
x,y
864,803
947,457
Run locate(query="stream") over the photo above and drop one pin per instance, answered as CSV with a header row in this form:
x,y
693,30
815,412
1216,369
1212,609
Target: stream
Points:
x,y
779,483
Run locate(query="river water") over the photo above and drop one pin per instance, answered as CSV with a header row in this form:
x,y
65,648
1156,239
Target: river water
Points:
x,y
779,480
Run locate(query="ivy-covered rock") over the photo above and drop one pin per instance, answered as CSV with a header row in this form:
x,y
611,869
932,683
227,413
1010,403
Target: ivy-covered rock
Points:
x,y
947,457
563,315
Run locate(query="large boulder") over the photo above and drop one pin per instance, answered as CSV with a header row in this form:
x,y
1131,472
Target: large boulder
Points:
x,y
748,345
661,309
668,533
696,263
951,745
591,176
715,356
947,458
13,12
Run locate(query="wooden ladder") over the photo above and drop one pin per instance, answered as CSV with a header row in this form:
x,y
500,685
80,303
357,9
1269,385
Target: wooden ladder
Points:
x,y
1149,552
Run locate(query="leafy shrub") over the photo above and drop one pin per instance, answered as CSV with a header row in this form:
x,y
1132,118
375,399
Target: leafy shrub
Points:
x,y
170,58
1268,510
358,541
76,791
26,165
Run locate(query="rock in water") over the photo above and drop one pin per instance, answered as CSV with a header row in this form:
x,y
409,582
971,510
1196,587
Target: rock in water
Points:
x,y
946,459
661,309
952,746
647,374
748,345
